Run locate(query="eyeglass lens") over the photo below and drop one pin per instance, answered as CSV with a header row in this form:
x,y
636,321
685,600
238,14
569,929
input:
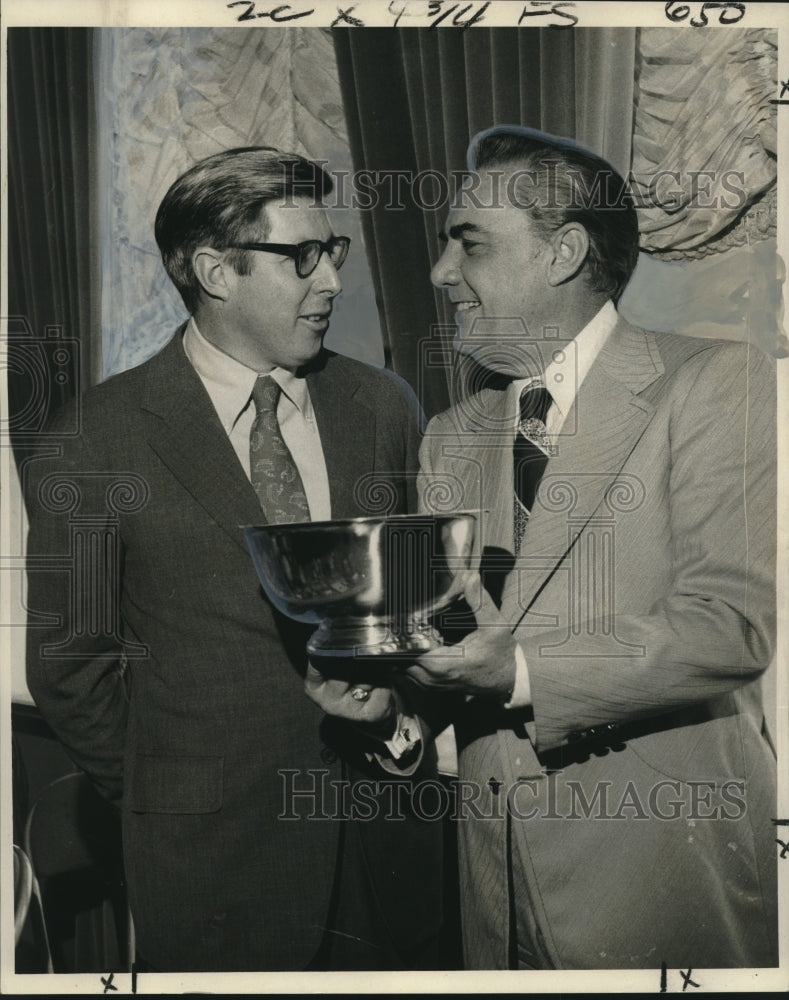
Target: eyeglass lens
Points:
x,y
311,253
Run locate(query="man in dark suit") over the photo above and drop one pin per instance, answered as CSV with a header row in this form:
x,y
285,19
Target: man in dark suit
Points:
x,y
616,780
152,651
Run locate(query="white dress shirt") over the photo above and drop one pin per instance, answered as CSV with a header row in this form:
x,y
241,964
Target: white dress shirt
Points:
x,y
563,378
230,384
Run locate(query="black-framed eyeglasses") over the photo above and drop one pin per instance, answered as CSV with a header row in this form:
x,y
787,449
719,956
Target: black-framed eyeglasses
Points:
x,y
306,254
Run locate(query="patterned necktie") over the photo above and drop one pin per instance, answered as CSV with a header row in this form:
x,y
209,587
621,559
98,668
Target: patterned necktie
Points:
x,y
530,454
272,470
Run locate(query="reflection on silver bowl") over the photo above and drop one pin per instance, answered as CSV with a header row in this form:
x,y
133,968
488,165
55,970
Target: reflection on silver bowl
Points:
x,y
370,583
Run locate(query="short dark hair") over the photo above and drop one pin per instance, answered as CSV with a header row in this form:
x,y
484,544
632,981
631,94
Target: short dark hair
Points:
x,y
219,201
579,187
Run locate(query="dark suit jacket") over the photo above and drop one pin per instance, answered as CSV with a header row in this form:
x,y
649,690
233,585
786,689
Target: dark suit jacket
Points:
x,y
155,657
644,600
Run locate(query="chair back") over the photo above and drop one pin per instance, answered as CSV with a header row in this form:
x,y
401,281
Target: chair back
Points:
x,y
73,841
31,944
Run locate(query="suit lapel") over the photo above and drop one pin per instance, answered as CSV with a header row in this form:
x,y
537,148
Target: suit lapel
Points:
x,y
491,447
479,457
188,437
347,431
603,426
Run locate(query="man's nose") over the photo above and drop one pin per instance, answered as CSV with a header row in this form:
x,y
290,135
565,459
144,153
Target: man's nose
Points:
x,y
445,271
325,277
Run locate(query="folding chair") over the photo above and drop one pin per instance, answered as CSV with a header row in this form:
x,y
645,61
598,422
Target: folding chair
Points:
x,y
73,841
30,932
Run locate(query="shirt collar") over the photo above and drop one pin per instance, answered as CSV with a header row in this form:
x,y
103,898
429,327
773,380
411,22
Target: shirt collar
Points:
x,y
570,366
229,382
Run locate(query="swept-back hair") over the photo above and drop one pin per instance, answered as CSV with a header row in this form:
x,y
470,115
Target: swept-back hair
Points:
x,y
219,201
568,183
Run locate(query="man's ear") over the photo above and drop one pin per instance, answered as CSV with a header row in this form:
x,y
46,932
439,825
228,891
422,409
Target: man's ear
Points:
x,y
570,248
211,271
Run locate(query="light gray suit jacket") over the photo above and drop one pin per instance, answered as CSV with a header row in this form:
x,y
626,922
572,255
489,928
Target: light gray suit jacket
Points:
x,y
640,789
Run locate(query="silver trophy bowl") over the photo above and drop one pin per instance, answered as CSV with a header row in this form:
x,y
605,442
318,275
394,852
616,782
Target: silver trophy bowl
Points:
x,y
369,583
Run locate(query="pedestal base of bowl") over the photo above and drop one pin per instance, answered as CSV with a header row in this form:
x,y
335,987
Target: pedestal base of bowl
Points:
x,y
362,637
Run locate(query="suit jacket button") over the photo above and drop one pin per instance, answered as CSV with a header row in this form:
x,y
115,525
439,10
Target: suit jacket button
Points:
x,y
328,755
575,736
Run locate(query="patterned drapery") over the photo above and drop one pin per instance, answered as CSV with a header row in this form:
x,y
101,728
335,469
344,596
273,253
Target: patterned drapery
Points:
x,y
703,174
169,97
704,138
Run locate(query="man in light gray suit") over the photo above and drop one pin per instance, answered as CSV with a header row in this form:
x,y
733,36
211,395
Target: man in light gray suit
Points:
x,y
616,780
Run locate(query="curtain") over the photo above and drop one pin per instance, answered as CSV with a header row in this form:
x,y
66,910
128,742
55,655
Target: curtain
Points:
x,y
703,109
704,170
166,98
414,97
51,253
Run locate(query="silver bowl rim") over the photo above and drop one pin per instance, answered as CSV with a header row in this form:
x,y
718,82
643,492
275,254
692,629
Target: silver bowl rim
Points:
x,y
371,519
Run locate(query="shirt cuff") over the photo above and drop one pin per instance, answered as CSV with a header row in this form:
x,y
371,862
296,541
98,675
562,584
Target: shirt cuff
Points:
x,y
402,756
406,736
521,692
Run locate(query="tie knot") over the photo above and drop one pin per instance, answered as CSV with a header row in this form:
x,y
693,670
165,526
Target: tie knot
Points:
x,y
535,403
265,394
